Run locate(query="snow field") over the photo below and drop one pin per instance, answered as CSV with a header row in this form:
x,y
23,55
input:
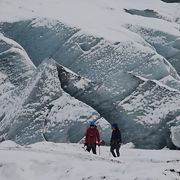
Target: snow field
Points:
x,y
45,160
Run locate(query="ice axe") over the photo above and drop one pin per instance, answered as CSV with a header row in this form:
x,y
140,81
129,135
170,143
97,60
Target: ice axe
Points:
x,y
84,147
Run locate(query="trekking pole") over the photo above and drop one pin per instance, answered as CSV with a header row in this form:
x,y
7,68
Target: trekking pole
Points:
x,y
99,151
110,152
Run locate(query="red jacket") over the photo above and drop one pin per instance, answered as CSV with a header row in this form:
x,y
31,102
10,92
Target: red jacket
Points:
x,y
91,135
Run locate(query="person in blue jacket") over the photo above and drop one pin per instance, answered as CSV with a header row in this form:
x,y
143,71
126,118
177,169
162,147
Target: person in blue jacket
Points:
x,y
115,142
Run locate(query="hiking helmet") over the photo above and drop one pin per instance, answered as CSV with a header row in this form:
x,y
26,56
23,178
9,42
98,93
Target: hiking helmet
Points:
x,y
92,123
114,125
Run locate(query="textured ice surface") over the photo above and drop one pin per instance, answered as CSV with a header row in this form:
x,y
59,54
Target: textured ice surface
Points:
x,y
175,131
15,69
153,108
165,43
147,13
116,54
14,61
171,82
80,51
43,111
114,72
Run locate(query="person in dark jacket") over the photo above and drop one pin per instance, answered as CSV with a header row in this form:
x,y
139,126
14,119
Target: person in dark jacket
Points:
x,y
115,142
92,134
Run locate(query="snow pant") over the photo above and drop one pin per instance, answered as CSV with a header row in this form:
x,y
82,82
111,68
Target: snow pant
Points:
x,y
91,147
115,147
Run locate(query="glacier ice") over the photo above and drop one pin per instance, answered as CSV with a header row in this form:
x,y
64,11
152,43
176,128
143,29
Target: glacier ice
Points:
x,y
43,111
80,51
148,114
147,13
13,55
15,69
175,132
145,116
117,79
171,82
27,96
165,43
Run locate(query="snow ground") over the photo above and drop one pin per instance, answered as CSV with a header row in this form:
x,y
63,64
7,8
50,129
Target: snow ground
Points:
x,y
45,160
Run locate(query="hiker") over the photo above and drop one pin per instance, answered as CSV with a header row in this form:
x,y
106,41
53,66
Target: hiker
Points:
x,y
92,134
115,142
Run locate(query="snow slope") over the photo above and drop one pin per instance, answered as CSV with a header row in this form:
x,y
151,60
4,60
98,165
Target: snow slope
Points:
x,y
44,161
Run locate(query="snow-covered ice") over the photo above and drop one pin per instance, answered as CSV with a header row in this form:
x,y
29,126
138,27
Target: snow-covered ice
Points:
x,y
119,51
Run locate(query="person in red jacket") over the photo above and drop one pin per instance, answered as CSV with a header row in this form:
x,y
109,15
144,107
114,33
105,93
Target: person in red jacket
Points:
x,y
92,134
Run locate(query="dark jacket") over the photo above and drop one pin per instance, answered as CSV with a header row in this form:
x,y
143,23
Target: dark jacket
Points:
x,y
91,135
115,137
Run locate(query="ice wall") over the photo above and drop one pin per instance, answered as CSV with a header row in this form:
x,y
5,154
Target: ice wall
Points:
x,y
115,78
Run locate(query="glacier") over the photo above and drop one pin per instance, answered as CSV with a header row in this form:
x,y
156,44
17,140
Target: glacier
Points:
x,y
126,73
39,108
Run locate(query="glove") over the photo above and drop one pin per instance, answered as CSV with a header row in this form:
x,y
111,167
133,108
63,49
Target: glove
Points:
x,y
99,143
